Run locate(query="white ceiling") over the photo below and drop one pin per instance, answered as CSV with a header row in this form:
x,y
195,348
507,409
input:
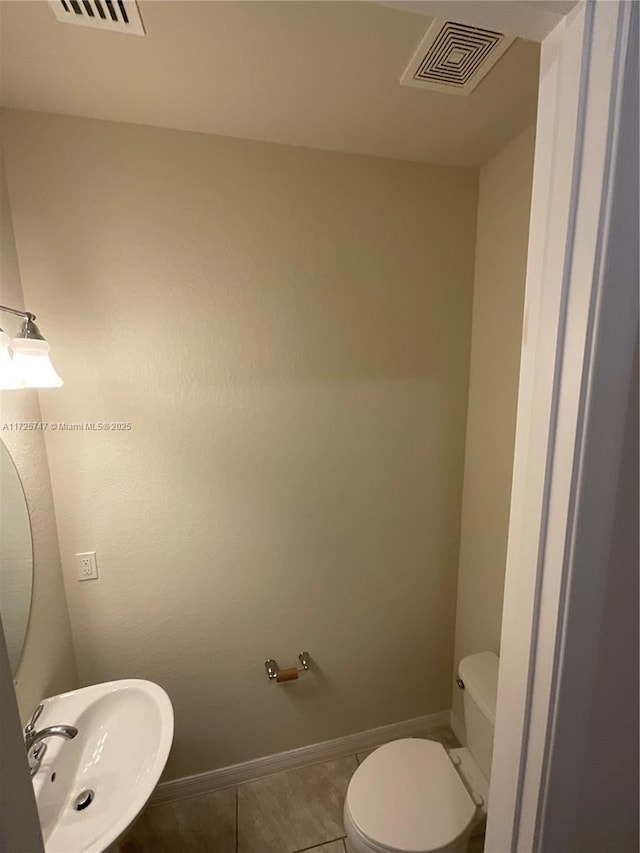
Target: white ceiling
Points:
x,y
317,74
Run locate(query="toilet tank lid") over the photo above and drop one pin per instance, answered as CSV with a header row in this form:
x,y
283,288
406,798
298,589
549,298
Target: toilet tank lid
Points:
x,y
480,675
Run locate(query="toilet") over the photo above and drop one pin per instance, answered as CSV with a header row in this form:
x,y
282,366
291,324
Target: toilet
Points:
x,y
415,796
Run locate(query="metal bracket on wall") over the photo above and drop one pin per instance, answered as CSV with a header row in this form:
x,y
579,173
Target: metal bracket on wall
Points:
x,y
278,675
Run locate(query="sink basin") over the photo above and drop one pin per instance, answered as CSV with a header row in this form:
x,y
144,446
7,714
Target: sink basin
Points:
x,y
125,729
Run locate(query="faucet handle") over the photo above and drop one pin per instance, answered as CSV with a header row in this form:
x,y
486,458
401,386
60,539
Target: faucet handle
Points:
x,y
29,728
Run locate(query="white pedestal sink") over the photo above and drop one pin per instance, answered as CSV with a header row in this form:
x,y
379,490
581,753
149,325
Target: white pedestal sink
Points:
x,y
125,729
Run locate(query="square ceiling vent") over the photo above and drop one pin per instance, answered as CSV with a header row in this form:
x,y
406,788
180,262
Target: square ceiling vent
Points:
x,y
121,16
454,58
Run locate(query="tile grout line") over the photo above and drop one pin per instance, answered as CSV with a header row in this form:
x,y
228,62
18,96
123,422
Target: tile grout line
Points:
x,y
248,782
322,844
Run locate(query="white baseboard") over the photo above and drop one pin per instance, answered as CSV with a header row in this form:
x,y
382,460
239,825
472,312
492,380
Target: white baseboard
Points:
x,y
458,729
225,777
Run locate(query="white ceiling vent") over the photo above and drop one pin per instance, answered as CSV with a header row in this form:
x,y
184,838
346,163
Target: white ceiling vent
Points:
x,y
119,15
454,57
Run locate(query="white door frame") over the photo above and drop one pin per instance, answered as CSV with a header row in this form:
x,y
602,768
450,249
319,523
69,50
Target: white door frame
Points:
x,y
579,339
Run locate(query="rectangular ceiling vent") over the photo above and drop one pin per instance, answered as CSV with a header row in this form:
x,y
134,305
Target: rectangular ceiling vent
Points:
x,y
121,16
454,57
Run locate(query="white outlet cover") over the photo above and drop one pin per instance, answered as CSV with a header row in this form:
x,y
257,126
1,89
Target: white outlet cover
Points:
x,y
87,566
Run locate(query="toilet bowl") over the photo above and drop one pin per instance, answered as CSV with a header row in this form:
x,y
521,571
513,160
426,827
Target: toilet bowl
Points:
x,y
413,795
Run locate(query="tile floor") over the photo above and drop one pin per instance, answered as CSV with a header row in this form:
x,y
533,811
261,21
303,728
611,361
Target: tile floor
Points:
x,y
288,812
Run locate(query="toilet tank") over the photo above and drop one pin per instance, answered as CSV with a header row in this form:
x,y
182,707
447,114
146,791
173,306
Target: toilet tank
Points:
x,y
480,676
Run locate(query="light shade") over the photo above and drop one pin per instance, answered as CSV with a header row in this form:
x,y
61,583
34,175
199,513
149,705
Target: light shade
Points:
x,y
32,363
9,377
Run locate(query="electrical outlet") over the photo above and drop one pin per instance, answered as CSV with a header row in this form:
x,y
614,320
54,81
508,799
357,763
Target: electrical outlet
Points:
x,y
87,566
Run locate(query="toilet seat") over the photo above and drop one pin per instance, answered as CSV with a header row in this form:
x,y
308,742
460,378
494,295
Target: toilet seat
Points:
x,y
407,796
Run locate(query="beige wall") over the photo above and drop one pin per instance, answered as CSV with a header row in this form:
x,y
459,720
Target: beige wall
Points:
x,y
288,333
504,198
48,665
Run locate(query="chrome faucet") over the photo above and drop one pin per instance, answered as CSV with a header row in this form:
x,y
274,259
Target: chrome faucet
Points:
x,y
34,741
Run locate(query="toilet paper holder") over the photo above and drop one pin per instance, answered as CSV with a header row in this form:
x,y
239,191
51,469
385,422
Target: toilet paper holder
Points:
x,y
279,675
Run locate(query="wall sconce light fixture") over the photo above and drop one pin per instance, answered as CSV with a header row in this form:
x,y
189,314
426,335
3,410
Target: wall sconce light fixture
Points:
x,y
28,364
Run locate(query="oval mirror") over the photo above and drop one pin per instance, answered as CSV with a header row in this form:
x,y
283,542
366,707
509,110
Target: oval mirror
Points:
x,y
16,558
